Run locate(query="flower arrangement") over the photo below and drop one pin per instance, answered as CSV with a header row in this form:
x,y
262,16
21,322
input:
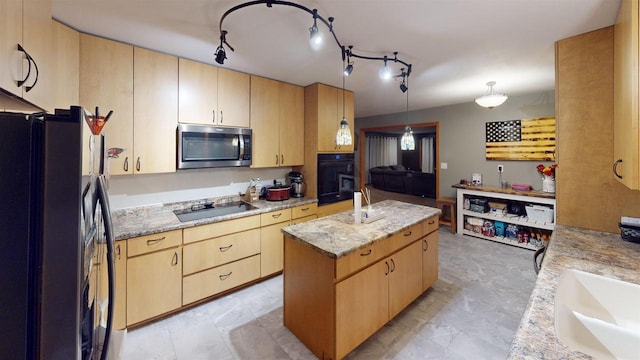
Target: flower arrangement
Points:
x,y
547,170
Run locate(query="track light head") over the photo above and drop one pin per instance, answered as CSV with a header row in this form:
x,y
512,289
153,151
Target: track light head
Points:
x,y
403,87
385,72
348,69
315,37
221,55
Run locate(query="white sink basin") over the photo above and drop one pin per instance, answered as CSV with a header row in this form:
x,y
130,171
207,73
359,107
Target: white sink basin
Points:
x,y
598,316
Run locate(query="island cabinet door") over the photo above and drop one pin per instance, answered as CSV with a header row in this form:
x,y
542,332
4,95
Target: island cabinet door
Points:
x,y
405,277
362,306
429,260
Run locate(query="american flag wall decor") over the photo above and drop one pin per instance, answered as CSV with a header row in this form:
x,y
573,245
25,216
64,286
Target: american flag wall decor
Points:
x,y
527,139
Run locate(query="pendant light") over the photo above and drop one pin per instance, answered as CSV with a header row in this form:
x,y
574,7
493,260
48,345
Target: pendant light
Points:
x,y
491,99
407,141
343,136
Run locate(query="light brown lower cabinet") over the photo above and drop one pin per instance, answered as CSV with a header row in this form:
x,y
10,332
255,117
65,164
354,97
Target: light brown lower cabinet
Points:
x,y
154,284
333,305
271,245
429,260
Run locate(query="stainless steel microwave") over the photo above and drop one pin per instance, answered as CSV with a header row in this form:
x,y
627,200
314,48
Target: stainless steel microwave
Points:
x,y
201,146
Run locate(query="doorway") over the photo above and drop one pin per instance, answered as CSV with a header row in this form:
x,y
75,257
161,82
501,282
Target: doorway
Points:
x,y
412,159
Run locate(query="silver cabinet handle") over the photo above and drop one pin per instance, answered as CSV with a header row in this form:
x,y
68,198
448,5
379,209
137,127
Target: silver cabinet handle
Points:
x,y
138,164
305,209
126,164
393,268
118,251
155,241
275,216
174,259
408,233
281,159
225,276
225,248
386,264
276,159
221,116
214,116
425,245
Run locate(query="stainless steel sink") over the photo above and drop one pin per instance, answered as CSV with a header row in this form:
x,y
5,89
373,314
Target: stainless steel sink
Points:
x,y
209,210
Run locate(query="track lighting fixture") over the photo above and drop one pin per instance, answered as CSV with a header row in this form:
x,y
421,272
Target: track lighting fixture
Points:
x,y
315,38
407,141
220,53
343,136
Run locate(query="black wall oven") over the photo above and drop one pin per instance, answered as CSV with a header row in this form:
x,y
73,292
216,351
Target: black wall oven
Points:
x,y
335,178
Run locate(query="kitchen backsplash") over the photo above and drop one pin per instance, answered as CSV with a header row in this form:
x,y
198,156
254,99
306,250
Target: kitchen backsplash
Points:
x,y
127,191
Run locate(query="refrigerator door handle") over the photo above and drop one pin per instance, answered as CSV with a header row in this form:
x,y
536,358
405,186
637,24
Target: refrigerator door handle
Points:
x,y
108,227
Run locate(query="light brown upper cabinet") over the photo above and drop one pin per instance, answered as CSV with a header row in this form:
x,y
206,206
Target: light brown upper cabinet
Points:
x,y
27,23
626,145
66,44
155,111
324,109
106,81
210,95
277,121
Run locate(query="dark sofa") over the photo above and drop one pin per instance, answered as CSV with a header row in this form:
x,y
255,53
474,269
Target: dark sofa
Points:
x,y
398,179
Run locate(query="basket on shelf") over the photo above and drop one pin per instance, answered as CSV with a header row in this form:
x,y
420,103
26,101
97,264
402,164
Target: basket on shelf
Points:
x,y
630,233
539,213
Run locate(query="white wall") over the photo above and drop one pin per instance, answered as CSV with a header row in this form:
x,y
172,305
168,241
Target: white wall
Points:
x,y
462,138
126,191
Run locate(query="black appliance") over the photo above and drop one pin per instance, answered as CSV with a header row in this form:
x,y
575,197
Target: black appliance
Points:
x,y
335,178
210,146
54,231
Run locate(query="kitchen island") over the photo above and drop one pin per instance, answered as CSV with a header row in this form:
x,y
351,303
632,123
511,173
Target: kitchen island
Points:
x,y
344,281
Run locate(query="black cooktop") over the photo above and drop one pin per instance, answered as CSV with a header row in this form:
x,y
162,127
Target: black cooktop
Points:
x,y
198,212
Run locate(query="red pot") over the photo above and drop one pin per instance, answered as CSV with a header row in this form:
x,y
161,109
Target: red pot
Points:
x,y
278,193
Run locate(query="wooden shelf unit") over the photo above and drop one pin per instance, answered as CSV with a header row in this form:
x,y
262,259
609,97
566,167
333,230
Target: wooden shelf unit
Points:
x,y
509,195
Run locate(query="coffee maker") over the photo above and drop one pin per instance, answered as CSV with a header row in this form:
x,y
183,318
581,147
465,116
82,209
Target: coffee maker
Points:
x,y
297,186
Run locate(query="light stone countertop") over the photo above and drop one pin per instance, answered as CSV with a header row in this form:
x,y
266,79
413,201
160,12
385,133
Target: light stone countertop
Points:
x,y
596,252
139,221
337,235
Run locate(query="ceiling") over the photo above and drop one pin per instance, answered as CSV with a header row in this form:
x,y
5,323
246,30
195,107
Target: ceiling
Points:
x,y
454,46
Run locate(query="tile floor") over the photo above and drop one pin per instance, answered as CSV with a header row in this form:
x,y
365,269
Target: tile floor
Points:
x,y
472,312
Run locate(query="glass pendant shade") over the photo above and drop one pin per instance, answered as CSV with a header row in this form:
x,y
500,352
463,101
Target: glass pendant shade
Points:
x,y
343,136
407,142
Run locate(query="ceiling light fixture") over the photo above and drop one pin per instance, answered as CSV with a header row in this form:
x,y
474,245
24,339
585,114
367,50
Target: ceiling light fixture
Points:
x,y
221,54
315,37
385,72
491,99
407,141
343,136
347,70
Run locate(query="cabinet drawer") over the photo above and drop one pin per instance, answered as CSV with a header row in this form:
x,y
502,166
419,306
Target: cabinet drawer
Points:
x,y
405,237
304,210
208,231
214,252
357,260
275,217
431,225
149,243
303,219
207,283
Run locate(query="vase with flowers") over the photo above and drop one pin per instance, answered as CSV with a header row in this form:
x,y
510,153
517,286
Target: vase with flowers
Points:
x,y
548,177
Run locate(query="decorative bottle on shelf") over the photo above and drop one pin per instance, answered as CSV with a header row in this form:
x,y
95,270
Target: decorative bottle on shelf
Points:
x,y
549,184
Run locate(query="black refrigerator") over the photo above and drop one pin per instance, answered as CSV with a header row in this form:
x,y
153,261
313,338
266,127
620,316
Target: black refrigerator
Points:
x,y
56,260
